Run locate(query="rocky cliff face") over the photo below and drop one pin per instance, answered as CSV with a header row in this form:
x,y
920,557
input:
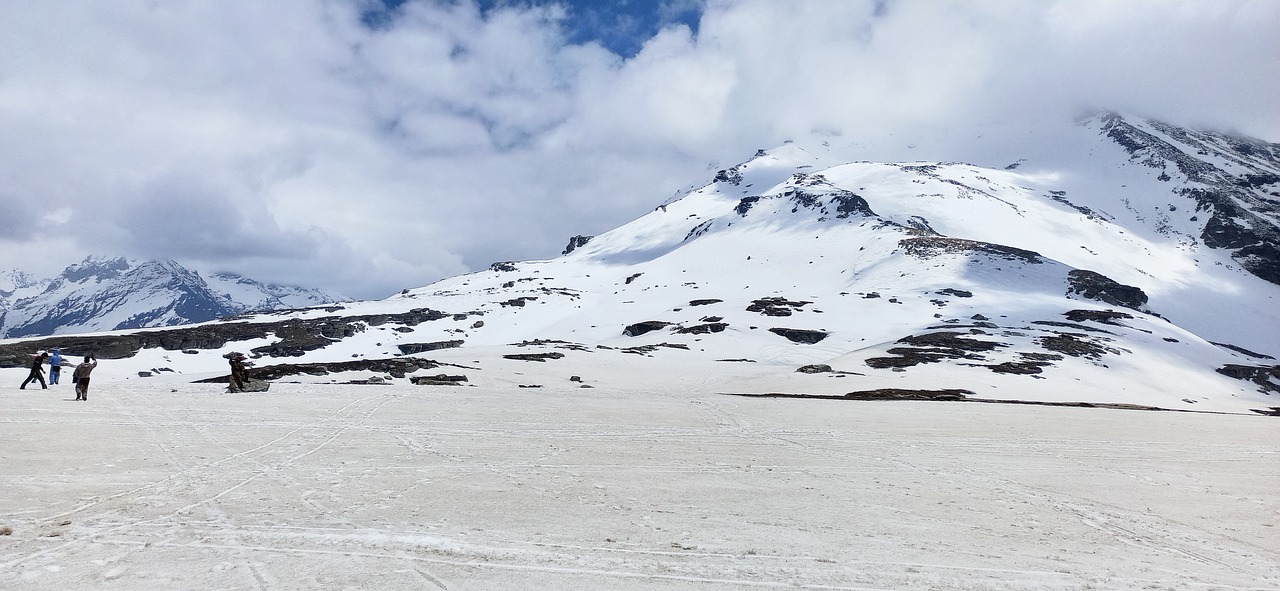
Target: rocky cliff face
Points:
x,y
1232,182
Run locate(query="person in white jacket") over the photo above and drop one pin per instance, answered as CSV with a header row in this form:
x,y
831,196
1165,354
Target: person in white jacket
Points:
x,y
81,376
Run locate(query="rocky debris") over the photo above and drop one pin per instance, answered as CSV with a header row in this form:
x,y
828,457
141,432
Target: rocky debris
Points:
x,y
396,367
632,277
540,357
646,349
798,335
552,342
1061,197
732,176
745,204
1100,316
1096,286
411,348
517,302
1244,351
438,380
932,348
503,266
1270,412
295,336
1072,325
926,247
1267,377
879,394
958,395
901,394
776,306
369,381
1076,345
1031,363
960,293
706,302
640,328
844,203
815,368
576,242
707,328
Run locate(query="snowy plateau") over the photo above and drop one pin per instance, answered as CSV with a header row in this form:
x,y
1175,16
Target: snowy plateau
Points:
x,y
804,373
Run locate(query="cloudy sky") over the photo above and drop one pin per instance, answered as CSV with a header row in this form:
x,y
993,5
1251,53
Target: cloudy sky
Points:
x,y
365,146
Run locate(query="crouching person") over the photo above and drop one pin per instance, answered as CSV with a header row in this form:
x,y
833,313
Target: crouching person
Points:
x,y
239,373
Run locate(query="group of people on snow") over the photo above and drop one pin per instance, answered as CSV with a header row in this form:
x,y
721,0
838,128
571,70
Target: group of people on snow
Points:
x,y
236,382
80,376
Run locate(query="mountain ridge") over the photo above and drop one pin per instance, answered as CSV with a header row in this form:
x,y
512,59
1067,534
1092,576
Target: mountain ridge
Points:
x,y
115,293
1087,281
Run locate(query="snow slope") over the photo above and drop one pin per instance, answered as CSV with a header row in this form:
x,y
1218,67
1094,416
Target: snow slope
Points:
x,y
1074,283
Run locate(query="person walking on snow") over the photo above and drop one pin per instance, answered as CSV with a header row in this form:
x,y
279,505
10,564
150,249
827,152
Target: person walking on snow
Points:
x,y
37,372
81,376
55,366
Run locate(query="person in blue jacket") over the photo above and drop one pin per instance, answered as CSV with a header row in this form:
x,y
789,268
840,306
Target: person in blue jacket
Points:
x,y
55,366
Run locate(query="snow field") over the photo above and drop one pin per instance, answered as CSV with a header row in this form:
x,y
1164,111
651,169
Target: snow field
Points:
x,y
161,484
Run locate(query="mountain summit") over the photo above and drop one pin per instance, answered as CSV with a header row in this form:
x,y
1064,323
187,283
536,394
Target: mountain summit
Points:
x,y
101,293
1138,268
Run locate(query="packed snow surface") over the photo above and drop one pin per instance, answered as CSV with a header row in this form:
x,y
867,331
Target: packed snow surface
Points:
x,y
170,485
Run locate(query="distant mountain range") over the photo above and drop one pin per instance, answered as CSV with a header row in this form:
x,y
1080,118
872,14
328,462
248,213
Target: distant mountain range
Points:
x,y
1129,261
100,294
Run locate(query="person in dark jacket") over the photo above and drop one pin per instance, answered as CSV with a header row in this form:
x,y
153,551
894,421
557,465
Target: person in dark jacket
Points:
x,y
81,376
37,372
239,373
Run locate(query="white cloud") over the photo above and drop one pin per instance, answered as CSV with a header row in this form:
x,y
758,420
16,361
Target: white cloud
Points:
x,y
289,142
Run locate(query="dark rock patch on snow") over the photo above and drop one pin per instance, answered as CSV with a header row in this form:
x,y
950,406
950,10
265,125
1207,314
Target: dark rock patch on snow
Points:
x,y
1244,351
932,348
397,367
1076,345
647,326
1267,377
926,247
1096,286
438,380
541,357
797,335
707,328
576,242
411,348
776,306
1100,316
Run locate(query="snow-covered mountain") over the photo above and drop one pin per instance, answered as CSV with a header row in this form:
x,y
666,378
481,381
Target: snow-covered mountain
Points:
x,y
1134,264
115,293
